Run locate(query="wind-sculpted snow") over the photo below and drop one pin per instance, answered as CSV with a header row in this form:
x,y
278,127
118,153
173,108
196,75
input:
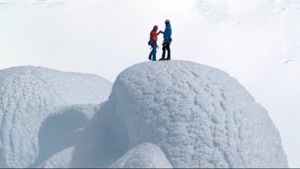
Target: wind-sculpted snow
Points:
x,y
28,95
189,115
146,155
159,114
199,116
59,160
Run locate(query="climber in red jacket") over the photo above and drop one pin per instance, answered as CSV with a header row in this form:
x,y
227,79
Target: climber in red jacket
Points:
x,y
153,42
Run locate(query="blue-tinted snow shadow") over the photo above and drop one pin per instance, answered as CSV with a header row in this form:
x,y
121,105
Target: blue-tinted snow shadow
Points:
x,y
59,131
105,139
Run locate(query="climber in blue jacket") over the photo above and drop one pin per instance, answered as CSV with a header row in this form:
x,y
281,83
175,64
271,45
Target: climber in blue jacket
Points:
x,y
167,41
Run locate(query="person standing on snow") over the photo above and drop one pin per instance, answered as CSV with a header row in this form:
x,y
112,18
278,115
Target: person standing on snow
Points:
x,y
167,41
153,43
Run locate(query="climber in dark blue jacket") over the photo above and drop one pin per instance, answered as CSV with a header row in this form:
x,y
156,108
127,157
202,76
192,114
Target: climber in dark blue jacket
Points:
x,y
167,41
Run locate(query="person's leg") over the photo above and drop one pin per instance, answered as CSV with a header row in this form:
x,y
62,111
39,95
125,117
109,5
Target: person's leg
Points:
x,y
169,51
154,53
163,53
150,54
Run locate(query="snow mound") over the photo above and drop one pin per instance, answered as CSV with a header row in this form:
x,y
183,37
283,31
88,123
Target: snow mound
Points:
x,y
146,155
199,116
65,132
59,160
28,95
61,131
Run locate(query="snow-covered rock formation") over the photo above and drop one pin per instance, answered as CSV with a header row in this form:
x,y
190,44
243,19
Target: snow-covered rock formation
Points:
x,y
28,96
199,116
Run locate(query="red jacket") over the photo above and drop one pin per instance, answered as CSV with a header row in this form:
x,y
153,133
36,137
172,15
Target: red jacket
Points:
x,y
153,35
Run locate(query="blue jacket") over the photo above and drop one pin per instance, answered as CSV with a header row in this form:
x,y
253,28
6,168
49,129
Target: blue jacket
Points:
x,y
168,32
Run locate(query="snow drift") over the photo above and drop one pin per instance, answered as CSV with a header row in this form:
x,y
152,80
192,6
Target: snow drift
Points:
x,y
199,116
28,96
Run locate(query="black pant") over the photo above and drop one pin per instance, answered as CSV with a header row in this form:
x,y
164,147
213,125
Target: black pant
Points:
x,y
166,46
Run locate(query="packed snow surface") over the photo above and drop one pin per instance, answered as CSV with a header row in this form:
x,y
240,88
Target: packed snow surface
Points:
x,y
59,160
28,97
145,155
162,114
199,116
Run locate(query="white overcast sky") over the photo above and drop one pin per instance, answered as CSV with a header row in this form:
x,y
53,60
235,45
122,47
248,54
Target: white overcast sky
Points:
x,y
249,39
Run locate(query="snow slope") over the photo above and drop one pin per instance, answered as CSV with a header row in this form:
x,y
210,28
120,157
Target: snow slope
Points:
x,y
198,115
189,115
28,95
